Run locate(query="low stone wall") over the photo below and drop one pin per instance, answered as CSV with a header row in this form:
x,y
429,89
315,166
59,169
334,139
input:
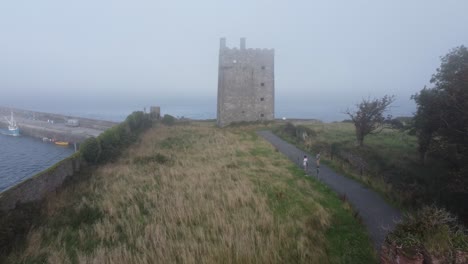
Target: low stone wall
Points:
x,y
36,187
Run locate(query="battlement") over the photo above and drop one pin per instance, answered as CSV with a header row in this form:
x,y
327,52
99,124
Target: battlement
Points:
x,y
242,47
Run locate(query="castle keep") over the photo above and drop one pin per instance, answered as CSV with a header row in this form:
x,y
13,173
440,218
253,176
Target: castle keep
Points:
x,y
246,84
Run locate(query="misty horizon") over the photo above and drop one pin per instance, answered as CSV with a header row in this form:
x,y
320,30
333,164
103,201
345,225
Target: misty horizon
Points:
x,y
118,55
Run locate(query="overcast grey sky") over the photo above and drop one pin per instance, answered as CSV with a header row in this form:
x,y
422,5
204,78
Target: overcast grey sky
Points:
x,y
329,54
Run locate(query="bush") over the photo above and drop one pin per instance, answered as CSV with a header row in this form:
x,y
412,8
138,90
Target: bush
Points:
x,y
109,145
303,132
395,123
138,121
431,231
90,150
168,120
290,129
299,133
112,141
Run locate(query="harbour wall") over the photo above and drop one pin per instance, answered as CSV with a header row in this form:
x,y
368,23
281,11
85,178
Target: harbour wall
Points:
x,y
54,126
57,118
36,188
60,135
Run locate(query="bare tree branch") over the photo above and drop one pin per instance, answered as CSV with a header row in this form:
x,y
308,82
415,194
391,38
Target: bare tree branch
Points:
x,y
369,118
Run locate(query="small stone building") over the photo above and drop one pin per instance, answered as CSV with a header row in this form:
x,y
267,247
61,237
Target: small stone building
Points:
x,y
155,112
246,84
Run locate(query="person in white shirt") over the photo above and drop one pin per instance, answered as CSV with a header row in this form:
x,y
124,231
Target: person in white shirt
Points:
x,y
305,162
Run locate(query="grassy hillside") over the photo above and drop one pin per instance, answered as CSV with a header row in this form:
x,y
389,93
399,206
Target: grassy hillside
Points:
x,y
196,194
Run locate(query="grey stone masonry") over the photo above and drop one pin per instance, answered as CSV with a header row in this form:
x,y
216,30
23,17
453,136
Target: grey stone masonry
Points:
x,y
246,84
38,186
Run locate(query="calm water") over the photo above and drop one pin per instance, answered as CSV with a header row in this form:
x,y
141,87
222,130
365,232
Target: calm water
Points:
x,y
23,157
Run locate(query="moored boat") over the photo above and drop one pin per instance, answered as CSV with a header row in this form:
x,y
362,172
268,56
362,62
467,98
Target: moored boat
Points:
x,y
61,143
13,129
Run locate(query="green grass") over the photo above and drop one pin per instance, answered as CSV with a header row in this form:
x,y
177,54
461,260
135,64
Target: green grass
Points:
x,y
347,239
391,164
196,194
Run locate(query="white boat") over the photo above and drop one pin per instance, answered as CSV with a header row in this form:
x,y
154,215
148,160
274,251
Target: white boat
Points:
x,y
13,129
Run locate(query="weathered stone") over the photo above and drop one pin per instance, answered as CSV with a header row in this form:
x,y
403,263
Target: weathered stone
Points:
x,y
38,186
245,84
155,112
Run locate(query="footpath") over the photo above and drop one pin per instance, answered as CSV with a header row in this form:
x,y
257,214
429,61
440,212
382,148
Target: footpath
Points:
x,y
377,215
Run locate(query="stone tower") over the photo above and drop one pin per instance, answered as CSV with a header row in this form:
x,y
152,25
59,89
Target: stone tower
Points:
x,y
246,84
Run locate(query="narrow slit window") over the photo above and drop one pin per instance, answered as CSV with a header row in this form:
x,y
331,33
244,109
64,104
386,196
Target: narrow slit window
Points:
x,y
262,99
262,84
261,115
263,67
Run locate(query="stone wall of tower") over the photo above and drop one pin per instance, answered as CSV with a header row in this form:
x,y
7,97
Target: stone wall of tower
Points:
x,y
246,84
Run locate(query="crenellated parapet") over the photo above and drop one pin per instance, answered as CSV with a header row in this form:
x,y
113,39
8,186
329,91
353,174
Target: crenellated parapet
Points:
x,y
242,48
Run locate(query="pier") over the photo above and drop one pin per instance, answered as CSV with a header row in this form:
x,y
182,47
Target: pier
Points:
x,y
55,126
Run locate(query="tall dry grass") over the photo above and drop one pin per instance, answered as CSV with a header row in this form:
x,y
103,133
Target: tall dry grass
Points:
x,y
185,194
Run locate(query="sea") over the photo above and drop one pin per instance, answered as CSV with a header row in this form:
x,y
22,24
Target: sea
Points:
x,y
22,157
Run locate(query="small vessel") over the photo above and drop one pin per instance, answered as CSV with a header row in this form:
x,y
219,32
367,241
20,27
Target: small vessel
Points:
x,y
61,143
13,129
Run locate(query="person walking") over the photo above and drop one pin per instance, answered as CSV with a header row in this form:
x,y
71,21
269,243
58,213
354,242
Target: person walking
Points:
x,y
317,163
305,163
317,159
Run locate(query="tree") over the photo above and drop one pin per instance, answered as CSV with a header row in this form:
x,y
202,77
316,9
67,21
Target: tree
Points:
x,y
369,116
426,120
441,125
441,119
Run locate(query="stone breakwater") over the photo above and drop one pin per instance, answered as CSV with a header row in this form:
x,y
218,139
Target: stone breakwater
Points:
x,y
54,126
36,187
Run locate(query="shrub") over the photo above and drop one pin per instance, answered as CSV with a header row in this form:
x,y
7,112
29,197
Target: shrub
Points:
x,y
112,140
395,123
299,133
90,150
290,129
138,121
303,132
110,143
432,231
168,120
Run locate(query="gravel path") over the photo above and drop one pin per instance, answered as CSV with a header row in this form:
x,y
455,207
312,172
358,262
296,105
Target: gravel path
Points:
x,y
378,216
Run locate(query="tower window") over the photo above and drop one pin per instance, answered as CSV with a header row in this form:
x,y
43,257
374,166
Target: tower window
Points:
x,y
262,84
261,115
263,67
262,99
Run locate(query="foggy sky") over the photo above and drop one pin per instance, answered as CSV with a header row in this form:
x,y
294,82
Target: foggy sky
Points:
x,y
135,53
